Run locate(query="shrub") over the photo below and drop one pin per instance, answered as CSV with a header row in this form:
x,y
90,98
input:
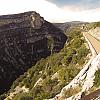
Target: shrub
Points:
x,y
71,91
82,52
97,78
23,96
2,97
77,42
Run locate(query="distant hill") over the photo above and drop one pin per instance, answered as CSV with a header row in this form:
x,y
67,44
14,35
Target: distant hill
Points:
x,y
67,25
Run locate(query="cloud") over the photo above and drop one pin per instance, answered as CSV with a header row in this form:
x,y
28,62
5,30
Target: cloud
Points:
x,y
79,14
50,11
87,4
73,8
91,15
46,9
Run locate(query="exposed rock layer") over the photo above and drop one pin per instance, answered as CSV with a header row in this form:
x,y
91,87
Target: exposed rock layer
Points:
x,y
23,41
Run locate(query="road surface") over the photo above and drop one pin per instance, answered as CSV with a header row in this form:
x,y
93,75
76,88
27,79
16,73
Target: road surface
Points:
x,y
95,43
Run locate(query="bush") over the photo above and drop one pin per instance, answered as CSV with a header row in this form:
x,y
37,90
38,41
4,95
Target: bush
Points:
x,y
2,97
97,78
74,59
77,42
64,75
71,91
82,52
96,24
23,96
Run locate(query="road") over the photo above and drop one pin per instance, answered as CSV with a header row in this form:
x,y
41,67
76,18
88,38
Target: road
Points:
x,y
95,43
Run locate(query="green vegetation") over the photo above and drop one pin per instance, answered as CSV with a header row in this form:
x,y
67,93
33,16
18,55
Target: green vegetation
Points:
x,y
72,91
23,96
96,24
96,82
97,78
2,97
93,25
67,64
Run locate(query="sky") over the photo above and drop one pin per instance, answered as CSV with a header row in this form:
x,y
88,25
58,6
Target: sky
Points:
x,y
55,10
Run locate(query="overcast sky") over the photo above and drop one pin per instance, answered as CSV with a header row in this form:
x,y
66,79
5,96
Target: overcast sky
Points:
x,y
55,10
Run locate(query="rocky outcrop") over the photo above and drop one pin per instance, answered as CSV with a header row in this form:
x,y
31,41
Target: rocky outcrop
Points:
x,y
24,39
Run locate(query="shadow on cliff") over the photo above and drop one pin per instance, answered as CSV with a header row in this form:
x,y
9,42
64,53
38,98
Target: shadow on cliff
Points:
x,y
24,41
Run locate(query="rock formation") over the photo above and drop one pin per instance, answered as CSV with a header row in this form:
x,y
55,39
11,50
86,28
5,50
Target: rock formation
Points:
x,y
24,39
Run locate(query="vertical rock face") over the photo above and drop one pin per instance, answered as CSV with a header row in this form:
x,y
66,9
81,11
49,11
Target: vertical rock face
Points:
x,y
24,39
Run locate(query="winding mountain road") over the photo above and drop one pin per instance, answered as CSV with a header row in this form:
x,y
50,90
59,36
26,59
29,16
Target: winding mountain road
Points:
x,y
95,43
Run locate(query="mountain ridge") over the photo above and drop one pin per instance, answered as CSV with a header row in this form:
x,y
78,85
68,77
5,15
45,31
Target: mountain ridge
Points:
x,y
25,38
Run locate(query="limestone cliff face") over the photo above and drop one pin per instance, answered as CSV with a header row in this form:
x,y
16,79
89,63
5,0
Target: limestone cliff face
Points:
x,y
24,39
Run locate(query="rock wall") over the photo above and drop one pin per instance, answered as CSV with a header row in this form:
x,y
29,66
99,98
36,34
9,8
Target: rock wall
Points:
x,y
23,41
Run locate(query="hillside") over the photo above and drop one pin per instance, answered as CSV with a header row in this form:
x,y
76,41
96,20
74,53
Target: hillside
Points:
x,y
85,85
46,79
68,26
25,38
59,64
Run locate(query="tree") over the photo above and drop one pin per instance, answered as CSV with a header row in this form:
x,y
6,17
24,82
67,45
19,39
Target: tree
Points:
x,y
97,78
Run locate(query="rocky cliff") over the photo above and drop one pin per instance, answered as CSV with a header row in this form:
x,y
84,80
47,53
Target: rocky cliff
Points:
x,y
24,39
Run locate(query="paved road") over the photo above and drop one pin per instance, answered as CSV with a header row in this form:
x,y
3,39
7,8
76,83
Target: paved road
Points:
x,y
95,43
